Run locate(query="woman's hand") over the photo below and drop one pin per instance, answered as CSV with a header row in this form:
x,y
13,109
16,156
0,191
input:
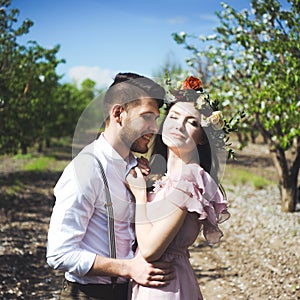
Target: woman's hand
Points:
x,y
137,184
143,165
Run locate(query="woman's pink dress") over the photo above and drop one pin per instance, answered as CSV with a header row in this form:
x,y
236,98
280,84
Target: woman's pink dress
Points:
x,y
207,207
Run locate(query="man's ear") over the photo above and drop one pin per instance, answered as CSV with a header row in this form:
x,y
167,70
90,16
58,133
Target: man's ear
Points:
x,y
117,110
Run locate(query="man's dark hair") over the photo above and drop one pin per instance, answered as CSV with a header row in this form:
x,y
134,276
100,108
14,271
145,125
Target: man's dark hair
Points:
x,y
131,87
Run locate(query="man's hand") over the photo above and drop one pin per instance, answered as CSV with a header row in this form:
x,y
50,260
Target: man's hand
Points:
x,y
155,274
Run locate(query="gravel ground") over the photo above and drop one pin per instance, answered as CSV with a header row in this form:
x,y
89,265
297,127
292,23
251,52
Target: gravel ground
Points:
x,y
259,256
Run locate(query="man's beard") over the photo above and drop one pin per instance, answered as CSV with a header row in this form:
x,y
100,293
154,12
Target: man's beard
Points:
x,y
136,147
133,141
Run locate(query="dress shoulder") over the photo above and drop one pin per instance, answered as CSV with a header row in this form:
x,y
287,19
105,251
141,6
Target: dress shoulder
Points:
x,y
201,195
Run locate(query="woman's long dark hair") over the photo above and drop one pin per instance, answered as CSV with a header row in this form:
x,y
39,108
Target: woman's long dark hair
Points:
x,y
158,161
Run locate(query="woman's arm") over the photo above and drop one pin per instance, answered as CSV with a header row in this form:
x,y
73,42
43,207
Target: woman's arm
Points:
x,y
155,235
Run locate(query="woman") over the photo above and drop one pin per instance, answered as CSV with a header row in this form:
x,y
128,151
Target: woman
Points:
x,y
184,201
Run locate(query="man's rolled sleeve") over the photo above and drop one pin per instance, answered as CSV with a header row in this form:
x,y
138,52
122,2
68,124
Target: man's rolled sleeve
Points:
x,y
74,207
78,262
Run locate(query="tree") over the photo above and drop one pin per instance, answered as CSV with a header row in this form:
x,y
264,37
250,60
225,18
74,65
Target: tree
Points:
x,y
256,59
8,69
70,103
172,67
27,83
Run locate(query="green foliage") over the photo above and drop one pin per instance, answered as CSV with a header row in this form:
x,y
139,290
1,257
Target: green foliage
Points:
x,y
34,106
23,156
256,65
39,164
232,125
173,70
15,188
27,82
238,176
69,104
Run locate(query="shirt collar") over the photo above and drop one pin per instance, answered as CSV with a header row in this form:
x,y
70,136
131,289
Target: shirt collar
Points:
x,y
131,162
113,156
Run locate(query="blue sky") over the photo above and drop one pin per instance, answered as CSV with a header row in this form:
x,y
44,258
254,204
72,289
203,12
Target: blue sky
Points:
x,y
99,38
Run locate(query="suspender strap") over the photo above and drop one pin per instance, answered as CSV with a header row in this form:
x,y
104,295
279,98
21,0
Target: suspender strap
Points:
x,y
110,214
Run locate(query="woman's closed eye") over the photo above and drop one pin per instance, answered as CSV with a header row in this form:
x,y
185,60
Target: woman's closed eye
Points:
x,y
173,117
194,123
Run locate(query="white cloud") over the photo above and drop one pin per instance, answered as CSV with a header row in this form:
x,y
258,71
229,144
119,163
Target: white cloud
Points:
x,y
172,20
102,77
177,20
209,17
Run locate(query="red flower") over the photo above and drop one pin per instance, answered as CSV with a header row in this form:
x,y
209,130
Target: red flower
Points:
x,y
192,83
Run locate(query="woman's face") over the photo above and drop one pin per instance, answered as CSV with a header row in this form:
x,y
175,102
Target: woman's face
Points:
x,y
182,129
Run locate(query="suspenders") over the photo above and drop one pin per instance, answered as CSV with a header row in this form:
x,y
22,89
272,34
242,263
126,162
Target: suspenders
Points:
x,y
110,215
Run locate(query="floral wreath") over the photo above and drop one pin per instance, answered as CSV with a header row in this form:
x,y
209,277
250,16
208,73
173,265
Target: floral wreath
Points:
x,y
212,118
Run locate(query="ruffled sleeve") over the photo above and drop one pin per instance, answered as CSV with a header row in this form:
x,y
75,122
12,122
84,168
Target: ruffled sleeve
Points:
x,y
204,197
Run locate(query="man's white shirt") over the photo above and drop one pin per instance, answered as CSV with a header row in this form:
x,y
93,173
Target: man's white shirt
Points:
x,y
78,225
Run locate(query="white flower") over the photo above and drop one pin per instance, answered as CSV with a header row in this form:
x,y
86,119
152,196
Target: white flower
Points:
x,y
226,102
219,125
160,183
201,102
212,36
204,121
215,119
42,78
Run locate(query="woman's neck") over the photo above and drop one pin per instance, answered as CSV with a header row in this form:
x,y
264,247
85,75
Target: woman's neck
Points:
x,y
177,160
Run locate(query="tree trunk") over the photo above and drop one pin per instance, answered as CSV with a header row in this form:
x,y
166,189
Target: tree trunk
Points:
x,y
48,143
288,175
288,197
240,138
23,148
288,178
40,147
253,136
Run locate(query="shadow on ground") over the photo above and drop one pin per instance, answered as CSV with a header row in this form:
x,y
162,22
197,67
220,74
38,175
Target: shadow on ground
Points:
x,y
25,206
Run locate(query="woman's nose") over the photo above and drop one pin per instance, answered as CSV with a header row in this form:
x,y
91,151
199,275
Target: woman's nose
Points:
x,y
180,125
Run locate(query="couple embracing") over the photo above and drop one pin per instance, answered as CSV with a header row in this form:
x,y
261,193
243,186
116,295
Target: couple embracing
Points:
x,y
105,204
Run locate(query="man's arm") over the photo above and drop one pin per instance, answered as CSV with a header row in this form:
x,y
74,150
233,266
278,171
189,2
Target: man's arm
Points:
x,y
154,274
69,221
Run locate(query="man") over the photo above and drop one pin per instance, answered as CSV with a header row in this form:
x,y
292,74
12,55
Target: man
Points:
x,y
78,238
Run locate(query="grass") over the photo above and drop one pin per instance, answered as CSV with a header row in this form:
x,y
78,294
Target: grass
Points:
x,y
22,169
35,162
56,158
237,176
23,156
53,159
15,188
40,164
